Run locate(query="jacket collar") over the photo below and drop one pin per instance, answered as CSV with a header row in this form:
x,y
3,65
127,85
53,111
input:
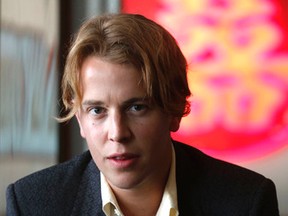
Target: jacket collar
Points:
x,y
188,179
88,200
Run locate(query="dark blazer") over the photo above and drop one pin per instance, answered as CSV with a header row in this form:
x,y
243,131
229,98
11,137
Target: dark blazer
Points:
x,y
205,186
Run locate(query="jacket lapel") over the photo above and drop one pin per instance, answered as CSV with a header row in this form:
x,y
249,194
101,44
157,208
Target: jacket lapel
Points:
x,y
188,180
88,200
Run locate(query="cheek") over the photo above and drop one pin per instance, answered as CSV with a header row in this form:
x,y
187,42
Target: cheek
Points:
x,y
96,143
154,128
94,134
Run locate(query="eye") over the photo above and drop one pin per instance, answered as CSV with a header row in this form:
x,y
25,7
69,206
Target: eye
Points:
x,y
138,108
96,111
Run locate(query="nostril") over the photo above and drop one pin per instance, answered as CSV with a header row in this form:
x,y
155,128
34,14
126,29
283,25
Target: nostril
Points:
x,y
119,134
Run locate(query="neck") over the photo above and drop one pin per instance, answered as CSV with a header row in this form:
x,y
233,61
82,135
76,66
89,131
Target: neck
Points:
x,y
129,202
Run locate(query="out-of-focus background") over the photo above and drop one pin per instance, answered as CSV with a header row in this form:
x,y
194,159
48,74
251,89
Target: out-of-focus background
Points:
x,y
237,52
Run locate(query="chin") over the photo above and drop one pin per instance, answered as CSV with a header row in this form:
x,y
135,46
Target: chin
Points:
x,y
125,183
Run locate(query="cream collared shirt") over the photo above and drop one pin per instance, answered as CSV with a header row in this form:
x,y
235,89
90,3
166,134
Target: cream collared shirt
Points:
x,y
168,205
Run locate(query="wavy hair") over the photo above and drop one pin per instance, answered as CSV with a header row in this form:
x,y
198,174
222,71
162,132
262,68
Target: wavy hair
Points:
x,y
130,39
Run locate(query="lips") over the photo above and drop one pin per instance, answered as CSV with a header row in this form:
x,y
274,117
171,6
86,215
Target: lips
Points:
x,y
119,158
123,160
122,156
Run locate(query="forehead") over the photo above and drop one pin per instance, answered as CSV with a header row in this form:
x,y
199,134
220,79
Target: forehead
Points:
x,y
97,67
100,77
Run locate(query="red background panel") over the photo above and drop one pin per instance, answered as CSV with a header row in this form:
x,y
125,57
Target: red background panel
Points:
x,y
238,61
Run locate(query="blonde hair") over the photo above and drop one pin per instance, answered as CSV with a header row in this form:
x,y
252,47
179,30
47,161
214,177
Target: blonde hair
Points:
x,y
130,39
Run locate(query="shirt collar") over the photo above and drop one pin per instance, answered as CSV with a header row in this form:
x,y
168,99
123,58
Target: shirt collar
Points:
x,y
168,205
109,202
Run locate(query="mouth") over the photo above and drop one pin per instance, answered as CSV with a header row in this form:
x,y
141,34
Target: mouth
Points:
x,y
123,161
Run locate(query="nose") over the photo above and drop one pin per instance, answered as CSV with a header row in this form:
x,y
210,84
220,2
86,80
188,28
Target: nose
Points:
x,y
118,130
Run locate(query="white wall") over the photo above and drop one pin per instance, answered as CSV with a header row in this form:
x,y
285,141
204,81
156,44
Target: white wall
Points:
x,y
40,15
275,167
29,35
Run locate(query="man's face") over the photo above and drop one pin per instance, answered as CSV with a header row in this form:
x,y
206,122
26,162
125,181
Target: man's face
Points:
x,y
128,137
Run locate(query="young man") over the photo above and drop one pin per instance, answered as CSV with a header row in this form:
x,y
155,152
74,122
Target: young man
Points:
x,y
125,81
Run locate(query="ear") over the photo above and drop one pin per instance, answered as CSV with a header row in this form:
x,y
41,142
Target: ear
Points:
x,y
175,124
78,117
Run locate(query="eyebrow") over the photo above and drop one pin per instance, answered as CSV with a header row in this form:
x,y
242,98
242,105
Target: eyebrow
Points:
x,y
135,100
92,103
127,102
